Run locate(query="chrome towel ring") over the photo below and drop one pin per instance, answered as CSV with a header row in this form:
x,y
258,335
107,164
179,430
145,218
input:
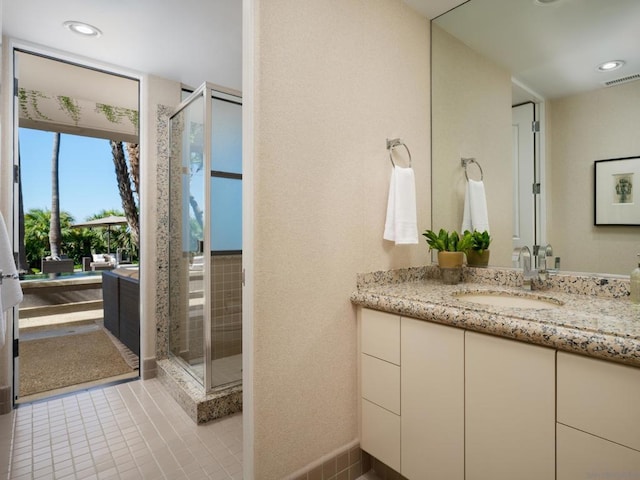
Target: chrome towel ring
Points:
x,y
7,276
465,163
393,143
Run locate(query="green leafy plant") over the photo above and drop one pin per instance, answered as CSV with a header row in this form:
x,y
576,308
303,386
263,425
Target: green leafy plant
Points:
x,y
28,98
116,114
69,105
480,241
444,241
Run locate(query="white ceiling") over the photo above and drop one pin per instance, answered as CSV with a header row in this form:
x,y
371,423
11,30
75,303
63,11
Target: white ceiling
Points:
x,y
552,49
433,8
190,41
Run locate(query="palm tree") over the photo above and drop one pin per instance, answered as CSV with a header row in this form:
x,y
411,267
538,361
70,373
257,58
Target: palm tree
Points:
x,y
133,150
124,186
55,233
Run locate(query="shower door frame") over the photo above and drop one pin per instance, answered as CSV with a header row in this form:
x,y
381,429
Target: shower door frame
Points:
x,y
204,90
209,91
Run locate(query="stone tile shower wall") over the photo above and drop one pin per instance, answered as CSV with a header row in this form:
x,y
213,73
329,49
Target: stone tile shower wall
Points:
x,y
226,305
226,311
191,344
162,233
179,276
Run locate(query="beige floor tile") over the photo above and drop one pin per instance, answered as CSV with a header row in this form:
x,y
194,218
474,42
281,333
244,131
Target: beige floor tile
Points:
x,y
128,431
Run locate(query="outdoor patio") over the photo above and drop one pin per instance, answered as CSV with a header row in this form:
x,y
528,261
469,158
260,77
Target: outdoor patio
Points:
x,y
63,343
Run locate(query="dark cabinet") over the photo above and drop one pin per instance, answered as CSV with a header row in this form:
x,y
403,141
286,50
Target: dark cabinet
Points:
x,y
121,305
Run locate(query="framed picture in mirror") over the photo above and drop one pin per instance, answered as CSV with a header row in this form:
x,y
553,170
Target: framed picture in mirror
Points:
x,y
616,194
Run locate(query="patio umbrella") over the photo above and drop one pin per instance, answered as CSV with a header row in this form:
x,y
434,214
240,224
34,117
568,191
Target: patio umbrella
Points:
x,y
107,222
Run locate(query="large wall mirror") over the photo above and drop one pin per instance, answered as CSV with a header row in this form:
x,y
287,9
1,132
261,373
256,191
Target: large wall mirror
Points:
x,y
491,55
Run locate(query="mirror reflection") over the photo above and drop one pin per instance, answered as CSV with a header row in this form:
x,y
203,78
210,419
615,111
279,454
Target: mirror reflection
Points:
x,y
541,57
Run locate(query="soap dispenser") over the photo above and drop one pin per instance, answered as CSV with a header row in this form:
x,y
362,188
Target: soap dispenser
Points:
x,y
635,283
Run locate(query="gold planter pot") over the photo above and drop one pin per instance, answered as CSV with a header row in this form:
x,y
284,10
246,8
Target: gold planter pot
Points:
x,y
451,267
475,259
450,259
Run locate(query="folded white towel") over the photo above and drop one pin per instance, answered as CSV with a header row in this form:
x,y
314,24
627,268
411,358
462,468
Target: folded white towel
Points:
x,y
475,216
10,291
401,225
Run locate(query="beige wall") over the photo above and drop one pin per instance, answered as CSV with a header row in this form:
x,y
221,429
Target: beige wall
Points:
x,y
334,79
583,128
156,91
471,118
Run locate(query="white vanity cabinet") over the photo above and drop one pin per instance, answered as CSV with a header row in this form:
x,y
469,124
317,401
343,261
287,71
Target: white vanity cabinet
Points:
x,y
432,422
380,386
509,409
412,395
424,386
598,418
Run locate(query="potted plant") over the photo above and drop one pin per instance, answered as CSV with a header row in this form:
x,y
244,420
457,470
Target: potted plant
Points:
x,y
478,252
451,248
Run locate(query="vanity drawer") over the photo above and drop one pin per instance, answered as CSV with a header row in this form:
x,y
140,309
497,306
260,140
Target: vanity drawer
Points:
x,y
381,382
581,455
600,398
381,335
380,434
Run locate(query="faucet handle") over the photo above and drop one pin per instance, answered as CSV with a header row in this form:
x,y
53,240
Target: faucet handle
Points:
x,y
522,255
542,253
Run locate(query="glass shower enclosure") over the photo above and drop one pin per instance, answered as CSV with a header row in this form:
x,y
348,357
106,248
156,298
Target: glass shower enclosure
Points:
x,y
205,239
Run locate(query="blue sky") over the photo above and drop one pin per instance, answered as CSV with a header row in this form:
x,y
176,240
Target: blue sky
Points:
x,y
87,176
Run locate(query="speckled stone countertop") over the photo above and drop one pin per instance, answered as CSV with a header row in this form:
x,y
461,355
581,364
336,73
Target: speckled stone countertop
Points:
x,y
596,317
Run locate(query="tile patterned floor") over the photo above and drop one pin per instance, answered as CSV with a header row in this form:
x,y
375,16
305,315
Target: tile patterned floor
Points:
x,y
133,430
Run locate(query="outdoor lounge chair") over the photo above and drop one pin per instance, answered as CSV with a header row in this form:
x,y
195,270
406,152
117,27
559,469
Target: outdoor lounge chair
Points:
x,y
63,265
103,261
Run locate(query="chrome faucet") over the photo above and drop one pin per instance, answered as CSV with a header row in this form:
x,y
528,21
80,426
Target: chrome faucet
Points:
x,y
522,257
543,253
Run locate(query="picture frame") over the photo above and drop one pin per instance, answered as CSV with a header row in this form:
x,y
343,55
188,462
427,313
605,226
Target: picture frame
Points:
x,y
617,191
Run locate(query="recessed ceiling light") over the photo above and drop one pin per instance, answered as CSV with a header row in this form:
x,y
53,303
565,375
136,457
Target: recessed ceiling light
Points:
x,y
545,2
610,65
82,28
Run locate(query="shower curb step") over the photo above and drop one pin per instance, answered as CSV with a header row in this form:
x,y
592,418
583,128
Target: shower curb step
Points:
x,y
189,394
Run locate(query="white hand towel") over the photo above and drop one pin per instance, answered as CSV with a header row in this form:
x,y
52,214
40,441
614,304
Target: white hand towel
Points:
x,y
401,225
475,216
10,291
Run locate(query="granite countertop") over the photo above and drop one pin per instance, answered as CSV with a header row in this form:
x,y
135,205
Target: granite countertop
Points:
x,y
599,326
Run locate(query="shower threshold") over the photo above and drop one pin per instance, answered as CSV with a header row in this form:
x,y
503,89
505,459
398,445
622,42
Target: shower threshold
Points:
x,y
189,393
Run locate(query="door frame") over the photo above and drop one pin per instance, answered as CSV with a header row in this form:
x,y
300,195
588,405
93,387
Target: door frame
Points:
x,y
540,161
9,204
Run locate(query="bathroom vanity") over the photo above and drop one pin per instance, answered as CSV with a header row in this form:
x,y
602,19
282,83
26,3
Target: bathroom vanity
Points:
x,y
461,390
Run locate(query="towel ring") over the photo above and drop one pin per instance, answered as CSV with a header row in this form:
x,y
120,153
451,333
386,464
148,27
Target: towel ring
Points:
x,y
391,144
7,276
465,162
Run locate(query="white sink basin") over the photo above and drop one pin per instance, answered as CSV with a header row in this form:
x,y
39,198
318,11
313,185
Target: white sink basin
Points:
x,y
505,299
